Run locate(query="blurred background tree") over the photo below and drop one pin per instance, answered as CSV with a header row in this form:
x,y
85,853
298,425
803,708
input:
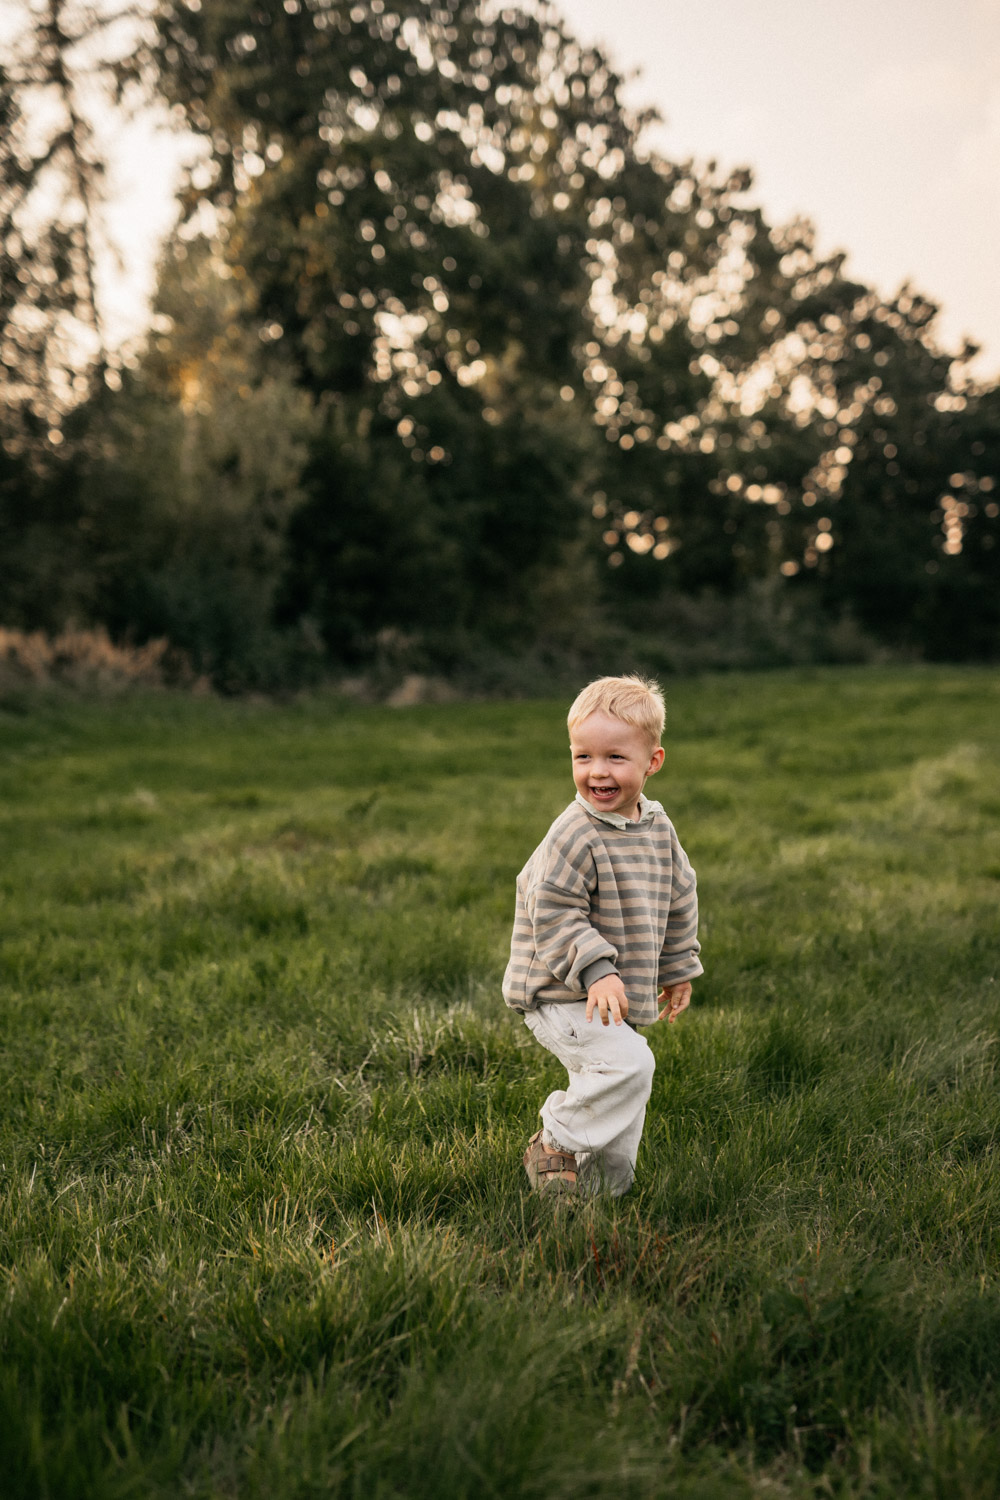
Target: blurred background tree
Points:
x,y
64,64
52,342
447,367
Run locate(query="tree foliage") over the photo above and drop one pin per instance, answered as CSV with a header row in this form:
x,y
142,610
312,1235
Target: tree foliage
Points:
x,y
443,352
449,227
60,67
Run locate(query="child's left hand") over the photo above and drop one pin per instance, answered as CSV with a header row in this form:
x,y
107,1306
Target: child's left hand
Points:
x,y
676,998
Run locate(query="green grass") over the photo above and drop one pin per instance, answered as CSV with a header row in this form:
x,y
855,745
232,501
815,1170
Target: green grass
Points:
x,y
263,1229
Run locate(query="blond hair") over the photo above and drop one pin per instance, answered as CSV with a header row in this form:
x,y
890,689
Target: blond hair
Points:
x,y
635,700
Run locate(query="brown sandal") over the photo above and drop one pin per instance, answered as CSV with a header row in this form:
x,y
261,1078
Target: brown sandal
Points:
x,y
549,1171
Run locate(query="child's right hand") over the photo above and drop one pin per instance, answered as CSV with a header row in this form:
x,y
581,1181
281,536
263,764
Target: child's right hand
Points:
x,y
607,996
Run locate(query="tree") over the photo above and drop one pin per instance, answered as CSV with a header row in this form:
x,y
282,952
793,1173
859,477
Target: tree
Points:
x,y
871,429
194,471
447,225
58,69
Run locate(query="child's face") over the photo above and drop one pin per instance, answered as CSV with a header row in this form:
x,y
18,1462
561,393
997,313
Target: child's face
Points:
x,y
611,761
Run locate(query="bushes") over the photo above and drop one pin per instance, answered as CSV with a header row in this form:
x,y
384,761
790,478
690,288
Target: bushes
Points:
x,y
86,662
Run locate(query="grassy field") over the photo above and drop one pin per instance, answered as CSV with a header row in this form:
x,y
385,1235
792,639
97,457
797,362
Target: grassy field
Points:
x,y
263,1228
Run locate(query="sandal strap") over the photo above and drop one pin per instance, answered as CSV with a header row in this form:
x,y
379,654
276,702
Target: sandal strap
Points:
x,y
548,1168
548,1163
556,1161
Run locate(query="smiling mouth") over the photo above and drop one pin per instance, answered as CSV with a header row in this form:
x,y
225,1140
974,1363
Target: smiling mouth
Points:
x,y
604,791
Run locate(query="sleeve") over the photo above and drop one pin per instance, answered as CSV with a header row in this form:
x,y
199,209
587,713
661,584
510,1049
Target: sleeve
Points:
x,y
679,956
557,901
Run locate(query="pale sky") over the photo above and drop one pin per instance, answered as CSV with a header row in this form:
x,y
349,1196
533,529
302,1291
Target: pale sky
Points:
x,y
879,119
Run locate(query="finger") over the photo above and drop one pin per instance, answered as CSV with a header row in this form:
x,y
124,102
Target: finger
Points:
x,y
591,1002
616,1010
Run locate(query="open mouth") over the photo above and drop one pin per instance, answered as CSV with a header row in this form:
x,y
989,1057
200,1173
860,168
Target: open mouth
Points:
x,y
604,793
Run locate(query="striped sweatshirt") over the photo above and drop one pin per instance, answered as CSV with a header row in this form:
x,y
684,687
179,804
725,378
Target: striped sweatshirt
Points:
x,y
596,899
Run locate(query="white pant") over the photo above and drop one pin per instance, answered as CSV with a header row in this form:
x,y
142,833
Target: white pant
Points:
x,y
599,1118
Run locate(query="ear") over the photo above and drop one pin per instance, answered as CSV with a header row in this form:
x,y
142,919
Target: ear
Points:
x,y
655,760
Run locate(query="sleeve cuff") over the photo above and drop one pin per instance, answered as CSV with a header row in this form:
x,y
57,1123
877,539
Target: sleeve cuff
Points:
x,y
679,974
595,971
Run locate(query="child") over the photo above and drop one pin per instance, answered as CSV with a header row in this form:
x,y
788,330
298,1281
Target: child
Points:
x,y
606,915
